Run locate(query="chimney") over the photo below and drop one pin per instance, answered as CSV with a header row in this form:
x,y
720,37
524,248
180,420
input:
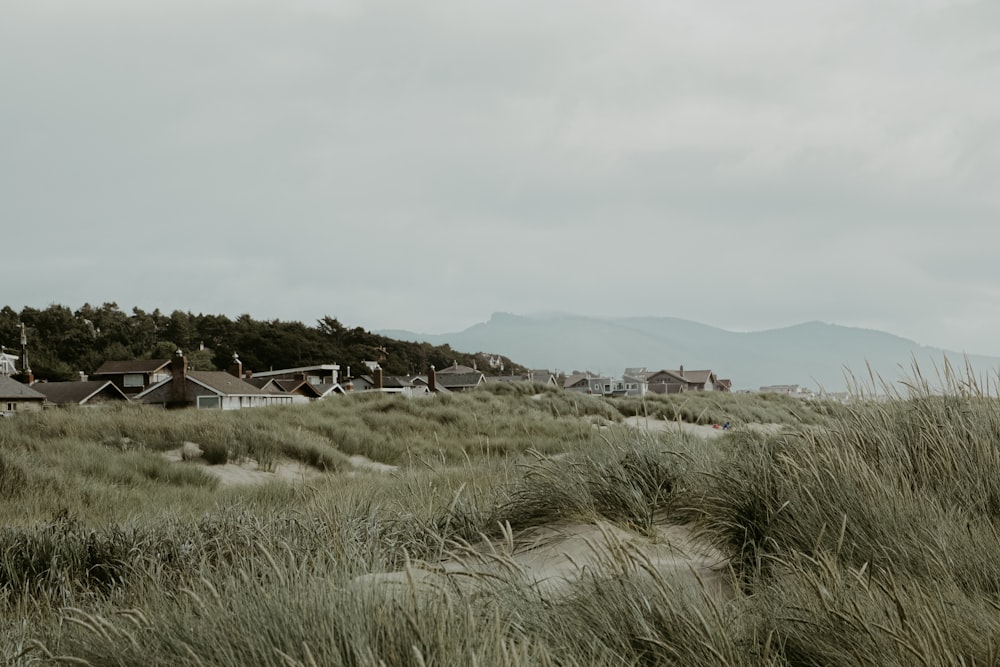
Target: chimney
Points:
x,y
178,383
83,376
300,377
432,380
236,369
378,379
682,370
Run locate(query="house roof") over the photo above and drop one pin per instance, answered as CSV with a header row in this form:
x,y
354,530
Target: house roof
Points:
x,y
574,380
507,378
327,389
66,393
12,389
301,369
293,386
456,369
670,375
452,380
132,366
696,377
224,383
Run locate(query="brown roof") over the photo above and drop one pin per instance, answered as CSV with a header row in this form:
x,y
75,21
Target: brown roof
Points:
x,y
696,377
669,375
65,393
132,366
298,386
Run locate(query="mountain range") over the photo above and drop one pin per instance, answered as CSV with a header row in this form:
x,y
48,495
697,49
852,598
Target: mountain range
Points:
x,y
815,355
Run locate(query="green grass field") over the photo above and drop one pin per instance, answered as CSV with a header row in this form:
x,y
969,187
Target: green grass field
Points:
x,y
863,534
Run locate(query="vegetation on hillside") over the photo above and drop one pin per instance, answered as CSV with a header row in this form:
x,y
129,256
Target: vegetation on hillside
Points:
x,y
64,342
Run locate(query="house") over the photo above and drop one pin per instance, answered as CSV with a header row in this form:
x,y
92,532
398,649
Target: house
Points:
x,y
408,385
89,393
321,374
135,375
536,377
299,386
16,397
635,382
457,369
459,381
667,382
302,391
586,383
8,364
672,382
208,389
578,382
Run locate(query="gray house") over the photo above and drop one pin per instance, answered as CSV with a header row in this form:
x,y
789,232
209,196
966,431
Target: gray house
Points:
x,y
16,397
208,390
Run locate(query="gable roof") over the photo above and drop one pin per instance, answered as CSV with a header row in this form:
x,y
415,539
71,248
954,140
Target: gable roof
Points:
x,y
674,376
15,390
223,383
132,366
218,382
452,380
65,393
456,369
696,377
577,379
326,389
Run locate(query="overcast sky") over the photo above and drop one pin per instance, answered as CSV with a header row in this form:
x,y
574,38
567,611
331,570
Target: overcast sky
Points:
x,y
421,165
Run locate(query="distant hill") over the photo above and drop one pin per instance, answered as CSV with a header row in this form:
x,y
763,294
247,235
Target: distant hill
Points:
x,y
813,354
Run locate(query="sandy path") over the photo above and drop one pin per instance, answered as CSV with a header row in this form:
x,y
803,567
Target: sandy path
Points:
x,y
552,558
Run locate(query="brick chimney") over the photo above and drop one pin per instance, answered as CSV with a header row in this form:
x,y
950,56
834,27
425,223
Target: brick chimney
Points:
x,y
378,379
236,368
432,380
178,383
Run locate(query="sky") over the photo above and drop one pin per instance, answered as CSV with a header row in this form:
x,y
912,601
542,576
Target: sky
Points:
x,y
422,165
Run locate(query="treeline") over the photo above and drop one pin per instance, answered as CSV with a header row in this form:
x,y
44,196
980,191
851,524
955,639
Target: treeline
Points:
x,y
64,342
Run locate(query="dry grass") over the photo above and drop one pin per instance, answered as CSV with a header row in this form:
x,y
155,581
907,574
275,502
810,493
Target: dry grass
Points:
x,y
866,535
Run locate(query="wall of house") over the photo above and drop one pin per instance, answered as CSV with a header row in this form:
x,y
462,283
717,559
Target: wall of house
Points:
x,y
11,406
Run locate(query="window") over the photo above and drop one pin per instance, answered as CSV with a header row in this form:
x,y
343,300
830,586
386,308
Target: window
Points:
x,y
209,402
132,380
11,407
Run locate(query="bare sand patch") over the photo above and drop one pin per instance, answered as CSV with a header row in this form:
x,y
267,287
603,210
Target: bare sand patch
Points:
x,y
700,430
552,558
364,463
247,472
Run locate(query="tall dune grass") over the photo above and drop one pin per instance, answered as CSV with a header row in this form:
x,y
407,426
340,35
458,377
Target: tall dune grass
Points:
x,y
858,535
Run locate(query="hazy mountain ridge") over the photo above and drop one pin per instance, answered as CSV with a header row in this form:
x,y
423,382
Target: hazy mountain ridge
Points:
x,y
812,354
